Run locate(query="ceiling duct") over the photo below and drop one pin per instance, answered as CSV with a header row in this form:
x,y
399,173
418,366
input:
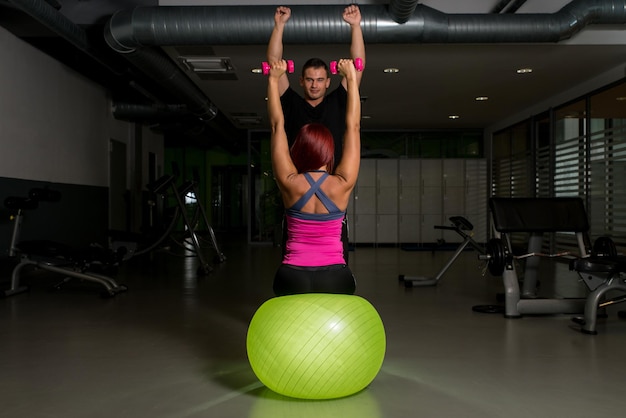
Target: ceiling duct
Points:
x,y
151,61
145,113
166,73
508,6
128,30
401,10
49,16
515,5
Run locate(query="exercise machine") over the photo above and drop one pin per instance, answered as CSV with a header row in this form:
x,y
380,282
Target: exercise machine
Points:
x,y
158,229
536,217
193,221
200,218
53,256
464,228
602,274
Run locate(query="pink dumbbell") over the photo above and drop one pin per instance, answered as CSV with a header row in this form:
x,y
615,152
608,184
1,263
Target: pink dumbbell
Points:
x,y
266,67
358,64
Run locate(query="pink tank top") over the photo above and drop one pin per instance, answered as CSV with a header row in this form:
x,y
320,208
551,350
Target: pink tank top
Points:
x,y
313,239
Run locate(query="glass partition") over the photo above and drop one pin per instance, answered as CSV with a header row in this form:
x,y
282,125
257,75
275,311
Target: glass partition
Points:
x,y
607,162
577,149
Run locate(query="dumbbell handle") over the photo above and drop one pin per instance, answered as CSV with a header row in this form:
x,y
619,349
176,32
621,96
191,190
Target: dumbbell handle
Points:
x,y
266,67
358,64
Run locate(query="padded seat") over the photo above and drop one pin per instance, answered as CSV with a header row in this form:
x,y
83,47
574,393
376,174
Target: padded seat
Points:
x,y
609,265
46,248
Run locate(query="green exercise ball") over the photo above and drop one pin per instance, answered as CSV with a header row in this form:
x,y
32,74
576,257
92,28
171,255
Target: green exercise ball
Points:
x,y
316,346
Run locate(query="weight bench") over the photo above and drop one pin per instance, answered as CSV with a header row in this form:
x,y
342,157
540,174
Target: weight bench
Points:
x,y
53,256
537,216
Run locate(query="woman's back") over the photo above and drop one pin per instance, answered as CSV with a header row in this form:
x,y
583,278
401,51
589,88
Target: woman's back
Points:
x,y
337,190
314,234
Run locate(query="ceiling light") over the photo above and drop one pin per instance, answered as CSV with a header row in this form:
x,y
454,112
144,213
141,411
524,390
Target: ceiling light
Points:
x,y
481,98
257,71
524,70
453,117
621,99
391,70
366,117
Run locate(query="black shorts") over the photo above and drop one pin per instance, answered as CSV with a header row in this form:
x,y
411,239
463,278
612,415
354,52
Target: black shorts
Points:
x,y
291,280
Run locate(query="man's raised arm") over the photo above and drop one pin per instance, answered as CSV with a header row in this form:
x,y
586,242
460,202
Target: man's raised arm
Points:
x,y
275,45
352,16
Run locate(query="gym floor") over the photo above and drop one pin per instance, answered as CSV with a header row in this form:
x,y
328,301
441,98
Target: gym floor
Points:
x,y
174,345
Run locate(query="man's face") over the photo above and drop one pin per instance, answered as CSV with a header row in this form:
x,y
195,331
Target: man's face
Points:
x,y
315,82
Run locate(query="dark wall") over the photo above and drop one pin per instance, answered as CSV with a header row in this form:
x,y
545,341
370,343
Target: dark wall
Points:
x,y
80,218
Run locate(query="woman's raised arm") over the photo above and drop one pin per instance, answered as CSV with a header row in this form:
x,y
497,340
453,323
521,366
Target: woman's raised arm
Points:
x,y
348,167
282,164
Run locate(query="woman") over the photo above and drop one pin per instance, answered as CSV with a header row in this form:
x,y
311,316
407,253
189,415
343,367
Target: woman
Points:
x,y
316,200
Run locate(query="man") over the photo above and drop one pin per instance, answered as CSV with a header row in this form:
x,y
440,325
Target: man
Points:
x,y
316,104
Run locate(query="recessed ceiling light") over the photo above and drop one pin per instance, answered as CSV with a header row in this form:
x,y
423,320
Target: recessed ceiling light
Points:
x,y
366,117
453,117
481,98
621,99
257,70
391,70
524,70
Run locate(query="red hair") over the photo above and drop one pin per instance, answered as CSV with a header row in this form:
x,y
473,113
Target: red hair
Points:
x,y
313,148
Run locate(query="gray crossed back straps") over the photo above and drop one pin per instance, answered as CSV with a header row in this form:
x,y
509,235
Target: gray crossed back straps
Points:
x,y
315,190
